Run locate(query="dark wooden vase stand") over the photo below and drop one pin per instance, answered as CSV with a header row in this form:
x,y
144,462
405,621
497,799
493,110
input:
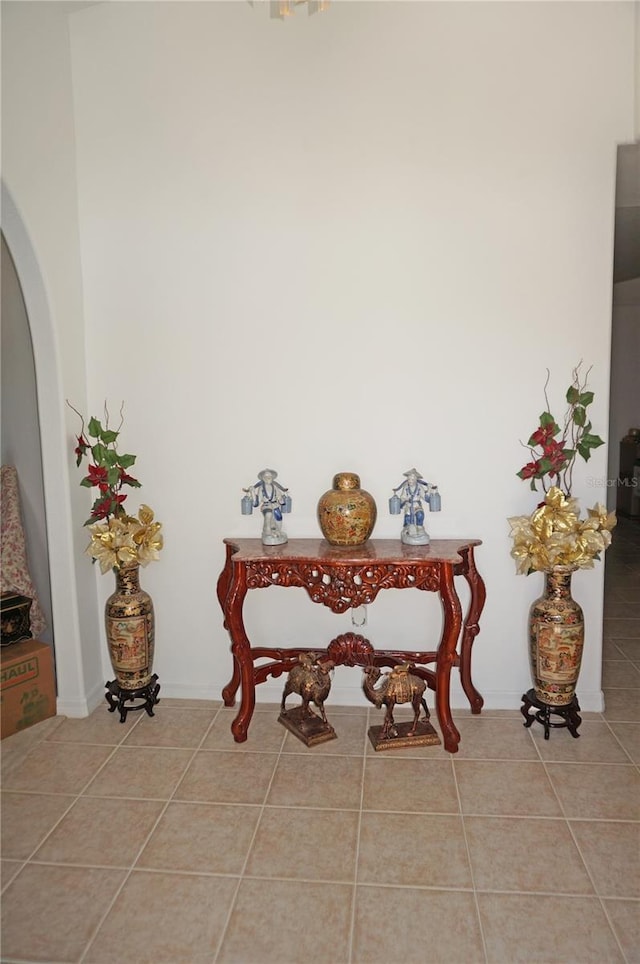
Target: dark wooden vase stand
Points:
x,y
534,709
144,698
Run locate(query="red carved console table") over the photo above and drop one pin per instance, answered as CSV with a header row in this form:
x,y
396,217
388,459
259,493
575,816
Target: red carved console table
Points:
x,y
341,579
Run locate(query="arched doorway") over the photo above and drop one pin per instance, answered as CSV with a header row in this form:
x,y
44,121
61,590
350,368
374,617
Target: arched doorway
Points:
x,y
73,699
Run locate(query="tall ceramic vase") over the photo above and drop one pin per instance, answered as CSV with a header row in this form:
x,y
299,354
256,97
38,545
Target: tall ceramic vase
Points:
x,y
556,639
129,621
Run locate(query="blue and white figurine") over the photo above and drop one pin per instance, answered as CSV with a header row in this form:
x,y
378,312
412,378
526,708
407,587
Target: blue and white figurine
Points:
x,y
273,500
409,498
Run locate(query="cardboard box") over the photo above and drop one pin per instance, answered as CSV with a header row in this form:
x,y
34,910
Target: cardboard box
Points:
x,y
27,686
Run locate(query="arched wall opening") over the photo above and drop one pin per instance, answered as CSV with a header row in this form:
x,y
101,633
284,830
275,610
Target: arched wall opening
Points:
x,y
73,700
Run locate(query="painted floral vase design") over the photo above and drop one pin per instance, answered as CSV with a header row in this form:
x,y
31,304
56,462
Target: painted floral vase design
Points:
x,y
556,639
347,513
129,622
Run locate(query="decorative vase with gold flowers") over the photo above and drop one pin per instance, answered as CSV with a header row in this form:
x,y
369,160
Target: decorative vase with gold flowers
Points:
x,y
557,541
122,543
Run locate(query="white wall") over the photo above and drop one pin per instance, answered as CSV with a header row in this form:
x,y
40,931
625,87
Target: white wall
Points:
x,y
39,221
351,241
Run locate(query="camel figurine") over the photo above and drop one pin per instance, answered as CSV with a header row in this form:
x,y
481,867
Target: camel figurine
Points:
x,y
311,680
398,686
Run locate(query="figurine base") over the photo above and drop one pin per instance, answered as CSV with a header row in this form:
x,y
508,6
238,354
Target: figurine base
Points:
x,y
425,735
274,540
414,536
308,727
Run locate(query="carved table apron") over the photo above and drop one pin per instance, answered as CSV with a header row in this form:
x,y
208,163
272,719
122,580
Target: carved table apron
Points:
x,y
343,578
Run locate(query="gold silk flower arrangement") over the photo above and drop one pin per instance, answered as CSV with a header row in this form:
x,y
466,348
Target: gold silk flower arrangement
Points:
x,y
117,538
554,535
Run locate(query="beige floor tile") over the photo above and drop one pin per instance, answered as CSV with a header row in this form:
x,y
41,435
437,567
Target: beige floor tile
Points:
x,y
101,832
336,710
595,744
489,738
266,735
273,709
169,918
65,905
8,870
623,594
174,701
288,922
621,628
630,649
282,845
554,930
598,791
488,713
621,706
201,838
611,851
27,818
525,854
401,925
392,783
172,726
610,650
145,772
57,768
505,788
625,919
351,732
215,776
100,727
621,674
317,781
270,708
413,850
629,736
16,747
621,610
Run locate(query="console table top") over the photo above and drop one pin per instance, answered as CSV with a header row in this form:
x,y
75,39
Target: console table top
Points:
x,y
374,550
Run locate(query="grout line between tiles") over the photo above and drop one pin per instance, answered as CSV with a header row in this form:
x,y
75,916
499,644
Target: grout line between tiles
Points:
x,y
469,861
241,876
584,862
354,892
77,796
145,842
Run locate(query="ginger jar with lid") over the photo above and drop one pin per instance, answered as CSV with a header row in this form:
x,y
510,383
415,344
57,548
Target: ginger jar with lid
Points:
x,y
347,513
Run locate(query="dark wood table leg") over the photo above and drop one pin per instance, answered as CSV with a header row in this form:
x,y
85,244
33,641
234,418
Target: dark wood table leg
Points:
x,y
224,585
471,627
447,656
242,658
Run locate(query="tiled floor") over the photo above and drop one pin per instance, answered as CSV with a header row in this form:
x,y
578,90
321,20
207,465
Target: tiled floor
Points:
x,y
162,840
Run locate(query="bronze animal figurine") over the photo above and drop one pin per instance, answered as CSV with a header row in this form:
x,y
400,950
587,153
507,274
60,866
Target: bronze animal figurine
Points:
x,y
398,686
311,680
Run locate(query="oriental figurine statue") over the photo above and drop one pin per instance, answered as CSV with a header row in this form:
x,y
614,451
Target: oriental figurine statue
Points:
x,y
409,498
273,501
